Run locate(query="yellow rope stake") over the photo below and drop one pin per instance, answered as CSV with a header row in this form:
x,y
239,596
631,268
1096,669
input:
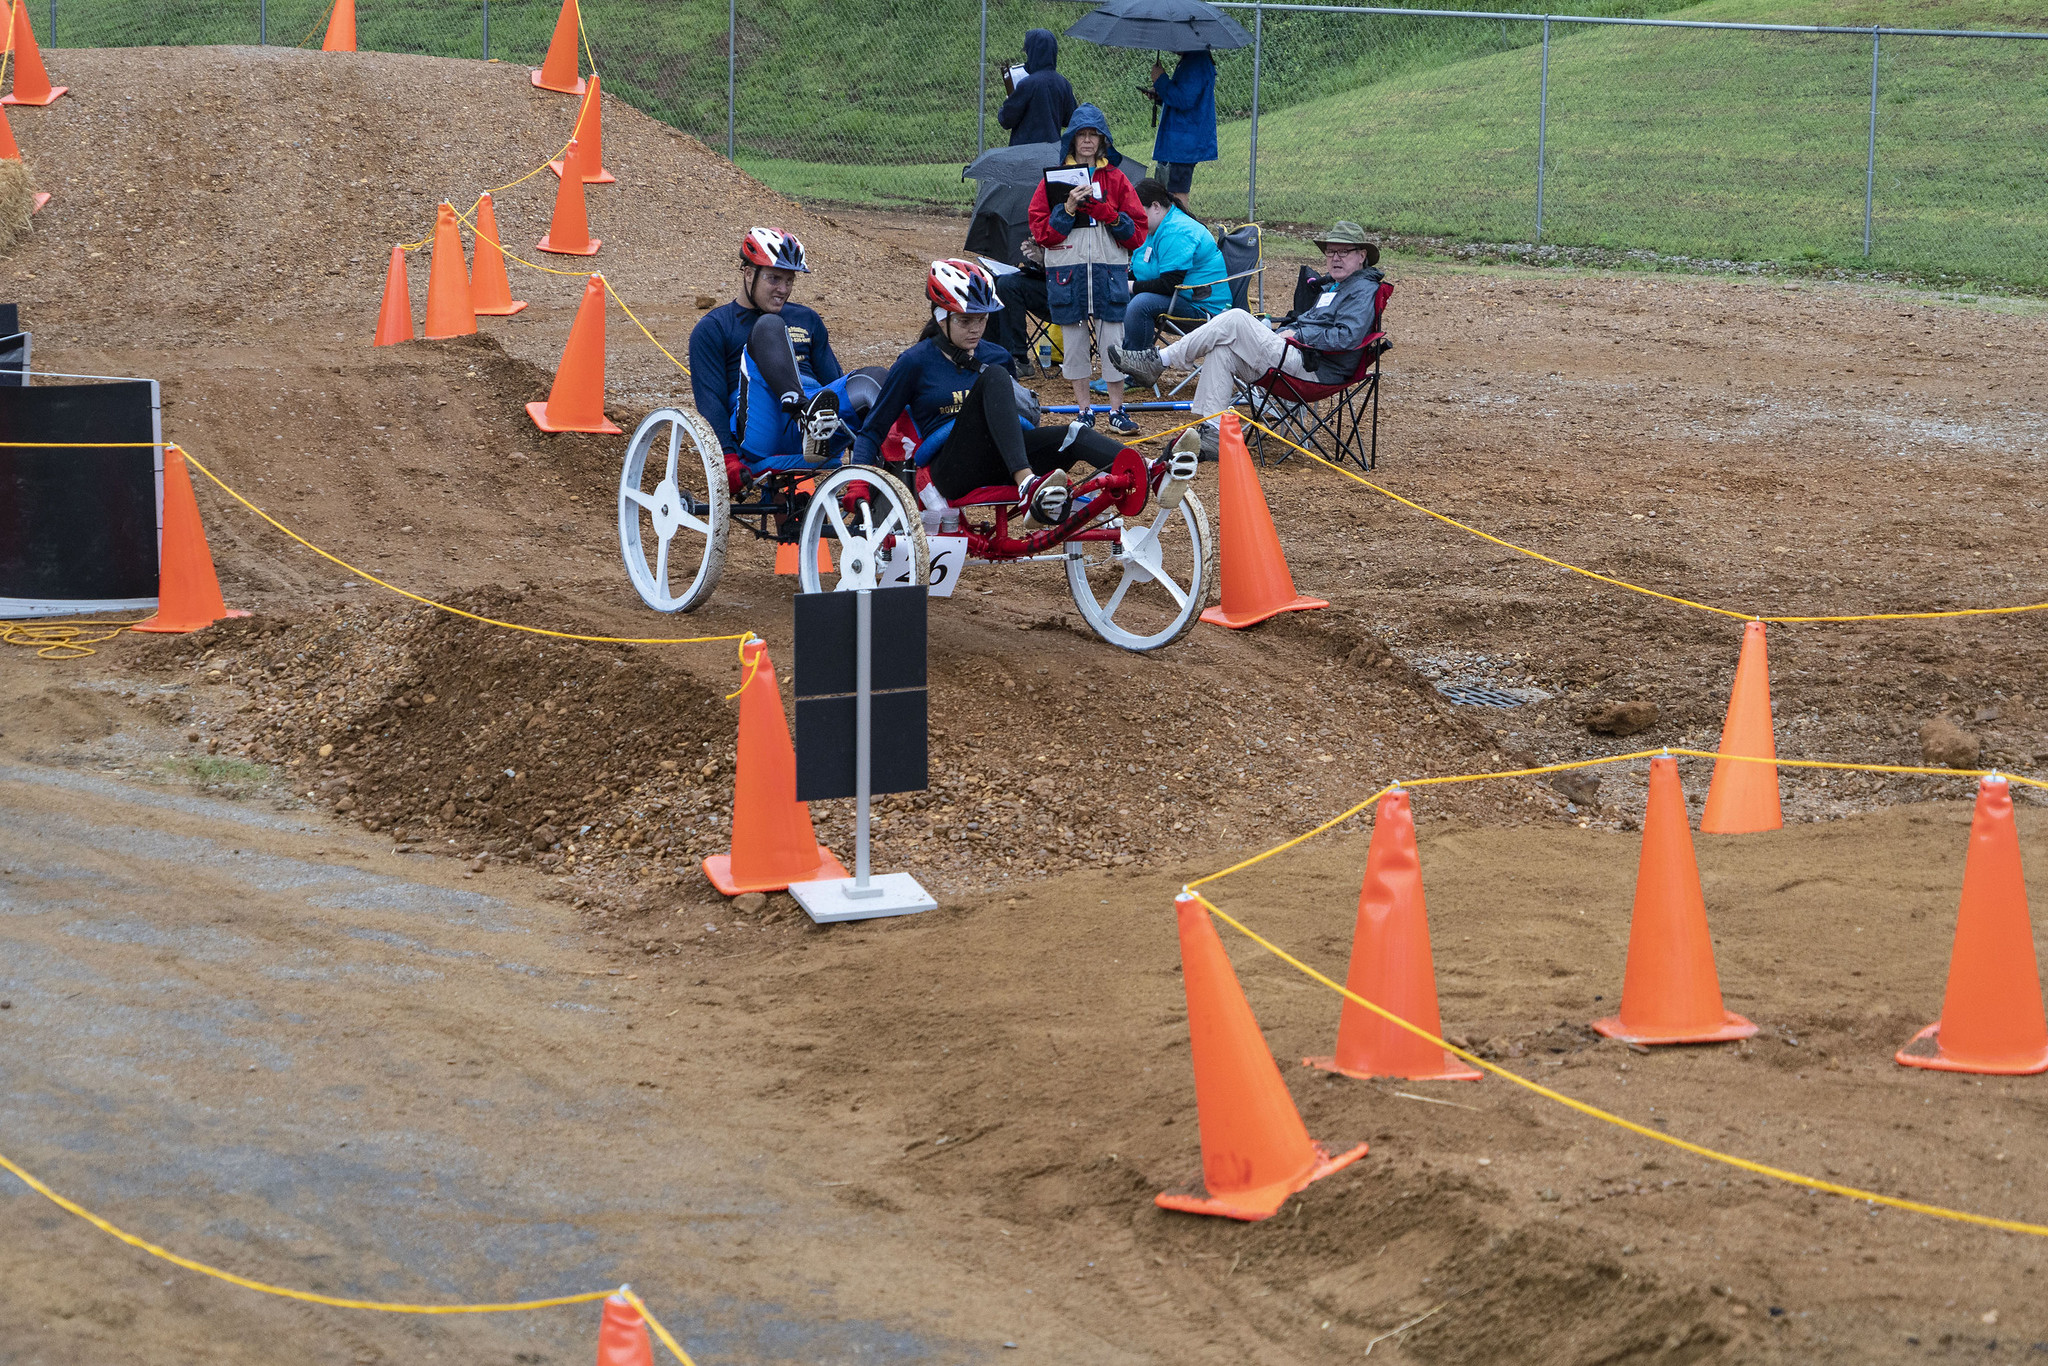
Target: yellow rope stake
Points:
x,y
442,606
753,666
1636,587
1741,1163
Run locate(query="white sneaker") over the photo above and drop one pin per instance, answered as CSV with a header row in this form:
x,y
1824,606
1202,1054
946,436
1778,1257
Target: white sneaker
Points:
x,y
1181,464
1049,500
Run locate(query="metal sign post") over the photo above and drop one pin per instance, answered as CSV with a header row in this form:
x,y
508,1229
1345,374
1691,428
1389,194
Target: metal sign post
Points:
x,y
829,705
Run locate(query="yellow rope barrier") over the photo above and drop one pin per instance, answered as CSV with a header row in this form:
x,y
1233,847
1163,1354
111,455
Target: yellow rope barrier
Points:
x,y
442,606
1623,583
1728,1159
62,639
70,1206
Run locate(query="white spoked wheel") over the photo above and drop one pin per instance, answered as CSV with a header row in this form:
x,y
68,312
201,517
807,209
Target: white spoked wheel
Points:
x,y
673,506
1148,589
869,541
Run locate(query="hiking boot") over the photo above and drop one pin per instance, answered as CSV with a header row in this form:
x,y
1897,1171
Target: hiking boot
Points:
x,y
1120,423
1143,365
1049,499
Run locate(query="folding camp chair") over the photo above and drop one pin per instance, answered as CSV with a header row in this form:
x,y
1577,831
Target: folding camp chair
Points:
x,y
1244,257
1336,421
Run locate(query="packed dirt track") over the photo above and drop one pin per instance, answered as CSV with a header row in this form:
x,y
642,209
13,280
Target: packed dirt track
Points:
x,y
447,1013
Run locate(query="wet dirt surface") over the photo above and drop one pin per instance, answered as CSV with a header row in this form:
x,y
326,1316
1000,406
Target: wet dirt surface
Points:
x,y
780,1190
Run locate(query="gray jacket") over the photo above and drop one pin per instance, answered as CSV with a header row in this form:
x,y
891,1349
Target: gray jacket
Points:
x,y
1332,333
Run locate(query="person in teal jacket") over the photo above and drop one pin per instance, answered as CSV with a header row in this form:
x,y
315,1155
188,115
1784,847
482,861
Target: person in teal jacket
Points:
x,y
1179,270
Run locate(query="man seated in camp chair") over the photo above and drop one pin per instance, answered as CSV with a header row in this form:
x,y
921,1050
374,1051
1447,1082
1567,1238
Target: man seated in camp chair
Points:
x,y
1320,343
763,374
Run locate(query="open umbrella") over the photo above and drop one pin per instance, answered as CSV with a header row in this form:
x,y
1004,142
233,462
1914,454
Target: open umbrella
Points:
x,y
1160,25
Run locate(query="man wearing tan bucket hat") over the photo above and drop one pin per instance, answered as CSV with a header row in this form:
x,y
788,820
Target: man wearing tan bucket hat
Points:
x,y
1234,346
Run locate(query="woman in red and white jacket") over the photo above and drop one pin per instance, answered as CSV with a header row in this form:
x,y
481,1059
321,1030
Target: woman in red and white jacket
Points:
x,y
1088,239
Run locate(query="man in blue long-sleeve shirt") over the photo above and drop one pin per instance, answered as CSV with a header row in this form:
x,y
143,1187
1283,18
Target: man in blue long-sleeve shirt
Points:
x,y
762,368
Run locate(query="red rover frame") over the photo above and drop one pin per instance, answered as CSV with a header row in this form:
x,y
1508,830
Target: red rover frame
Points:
x,y
1140,574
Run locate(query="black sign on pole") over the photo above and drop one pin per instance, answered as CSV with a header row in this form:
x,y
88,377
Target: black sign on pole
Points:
x,y
827,643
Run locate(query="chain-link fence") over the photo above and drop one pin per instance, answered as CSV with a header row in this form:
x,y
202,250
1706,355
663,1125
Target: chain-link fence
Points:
x,y
1918,151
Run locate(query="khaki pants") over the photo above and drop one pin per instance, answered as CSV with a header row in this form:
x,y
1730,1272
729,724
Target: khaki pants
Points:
x,y
1230,348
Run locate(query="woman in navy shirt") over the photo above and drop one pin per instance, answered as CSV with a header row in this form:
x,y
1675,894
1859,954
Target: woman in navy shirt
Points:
x,y
972,431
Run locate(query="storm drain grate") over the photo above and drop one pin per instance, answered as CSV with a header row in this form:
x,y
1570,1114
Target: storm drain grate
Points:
x,y
1478,695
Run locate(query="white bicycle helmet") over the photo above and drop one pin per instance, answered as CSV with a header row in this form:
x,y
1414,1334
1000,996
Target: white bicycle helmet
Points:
x,y
774,249
956,286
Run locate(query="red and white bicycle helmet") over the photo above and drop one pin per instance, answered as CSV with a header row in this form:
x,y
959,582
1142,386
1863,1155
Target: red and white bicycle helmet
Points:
x,y
774,249
956,286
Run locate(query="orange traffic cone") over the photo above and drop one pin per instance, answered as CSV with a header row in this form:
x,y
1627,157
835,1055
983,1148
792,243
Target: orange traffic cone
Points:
x,y
1255,1150
1743,798
1256,582
9,149
589,138
1991,1018
576,401
490,289
341,28
569,230
187,591
773,841
1390,965
622,1335
1670,992
558,70
31,81
394,319
787,561
449,310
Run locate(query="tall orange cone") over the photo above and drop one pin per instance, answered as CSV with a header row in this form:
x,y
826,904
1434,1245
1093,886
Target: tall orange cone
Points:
x,y
187,591
1670,992
773,841
450,312
569,230
31,81
9,149
1991,1018
1391,966
589,138
1743,798
341,28
394,319
1256,581
1255,1150
490,289
622,1338
559,69
576,401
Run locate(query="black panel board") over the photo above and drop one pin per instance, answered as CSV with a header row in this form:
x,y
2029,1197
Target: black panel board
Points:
x,y
14,359
825,658
898,761
77,523
10,318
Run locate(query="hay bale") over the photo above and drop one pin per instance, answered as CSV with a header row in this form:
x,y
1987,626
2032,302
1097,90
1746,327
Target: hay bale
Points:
x,y
17,200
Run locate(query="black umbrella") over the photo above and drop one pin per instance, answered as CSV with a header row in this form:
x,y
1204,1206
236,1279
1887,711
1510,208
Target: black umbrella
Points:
x,y
1161,26
1022,164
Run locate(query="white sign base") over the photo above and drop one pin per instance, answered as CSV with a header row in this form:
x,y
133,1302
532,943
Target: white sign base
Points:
x,y
834,899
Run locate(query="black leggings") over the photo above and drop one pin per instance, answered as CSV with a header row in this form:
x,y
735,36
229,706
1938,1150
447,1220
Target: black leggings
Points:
x,y
988,445
775,357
